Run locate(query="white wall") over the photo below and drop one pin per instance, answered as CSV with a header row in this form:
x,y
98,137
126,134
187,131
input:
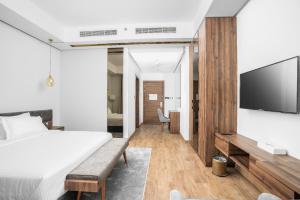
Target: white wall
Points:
x,y
153,76
268,31
170,91
185,96
24,68
169,88
177,85
84,90
201,14
131,71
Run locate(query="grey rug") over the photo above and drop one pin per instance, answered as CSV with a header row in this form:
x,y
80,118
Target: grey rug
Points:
x,y
125,183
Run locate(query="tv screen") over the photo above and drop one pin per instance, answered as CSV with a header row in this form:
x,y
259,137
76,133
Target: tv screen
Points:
x,y
271,88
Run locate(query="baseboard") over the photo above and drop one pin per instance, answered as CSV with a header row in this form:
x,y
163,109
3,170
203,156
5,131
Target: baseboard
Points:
x,y
186,141
131,135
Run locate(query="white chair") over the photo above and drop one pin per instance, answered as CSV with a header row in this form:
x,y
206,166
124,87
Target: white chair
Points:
x,y
266,196
175,195
162,118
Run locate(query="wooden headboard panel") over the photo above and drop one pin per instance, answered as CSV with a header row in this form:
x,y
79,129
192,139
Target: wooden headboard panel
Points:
x,y
46,115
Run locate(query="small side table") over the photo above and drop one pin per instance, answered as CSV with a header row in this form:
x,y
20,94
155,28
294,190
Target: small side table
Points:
x,y
62,128
174,117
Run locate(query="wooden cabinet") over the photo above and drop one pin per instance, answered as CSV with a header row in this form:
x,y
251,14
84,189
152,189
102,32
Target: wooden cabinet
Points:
x,y
274,186
174,117
222,145
276,174
217,82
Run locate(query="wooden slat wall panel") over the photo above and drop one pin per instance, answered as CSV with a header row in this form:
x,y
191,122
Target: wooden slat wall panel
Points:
x,y
222,59
202,92
218,82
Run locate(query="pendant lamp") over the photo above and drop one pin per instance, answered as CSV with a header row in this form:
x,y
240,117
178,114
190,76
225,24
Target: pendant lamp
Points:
x,y
50,79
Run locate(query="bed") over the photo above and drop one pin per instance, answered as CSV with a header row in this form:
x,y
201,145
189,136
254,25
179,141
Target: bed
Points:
x,y
114,121
35,167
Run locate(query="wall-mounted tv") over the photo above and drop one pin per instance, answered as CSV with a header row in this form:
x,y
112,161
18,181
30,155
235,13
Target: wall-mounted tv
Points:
x,y
272,88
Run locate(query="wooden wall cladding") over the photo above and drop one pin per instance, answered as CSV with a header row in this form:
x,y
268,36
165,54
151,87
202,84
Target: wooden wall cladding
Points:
x,y
217,82
202,94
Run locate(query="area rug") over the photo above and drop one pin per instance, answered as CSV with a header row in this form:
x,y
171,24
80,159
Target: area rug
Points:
x,y
126,183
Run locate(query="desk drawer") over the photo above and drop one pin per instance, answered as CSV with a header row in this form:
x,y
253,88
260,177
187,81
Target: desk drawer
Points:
x,y
272,184
222,145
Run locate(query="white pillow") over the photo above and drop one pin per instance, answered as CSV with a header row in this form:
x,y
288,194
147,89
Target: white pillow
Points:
x,y
109,111
2,131
23,127
3,134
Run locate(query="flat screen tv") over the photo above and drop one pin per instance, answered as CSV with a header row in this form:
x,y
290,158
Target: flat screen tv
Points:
x,y
272,88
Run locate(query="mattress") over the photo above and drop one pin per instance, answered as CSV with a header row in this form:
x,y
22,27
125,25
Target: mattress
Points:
x,y
115,119
35,168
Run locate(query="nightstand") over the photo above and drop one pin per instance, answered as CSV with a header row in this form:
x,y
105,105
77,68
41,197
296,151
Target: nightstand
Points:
x,y
62,128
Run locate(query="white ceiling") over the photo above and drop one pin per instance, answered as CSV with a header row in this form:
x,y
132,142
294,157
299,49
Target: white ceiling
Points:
x,y
62,20
157,60
221,8
111,12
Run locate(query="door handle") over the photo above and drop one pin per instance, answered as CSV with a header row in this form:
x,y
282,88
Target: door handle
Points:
x,y
160,104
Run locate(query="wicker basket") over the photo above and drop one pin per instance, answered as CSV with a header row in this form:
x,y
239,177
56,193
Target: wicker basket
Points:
x,y
219,165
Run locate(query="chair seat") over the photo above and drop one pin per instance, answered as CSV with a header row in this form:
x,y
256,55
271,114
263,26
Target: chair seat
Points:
x,y
176,195
162,118
165,120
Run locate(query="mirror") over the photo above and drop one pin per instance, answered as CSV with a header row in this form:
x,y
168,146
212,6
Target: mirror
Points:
x,y
115,92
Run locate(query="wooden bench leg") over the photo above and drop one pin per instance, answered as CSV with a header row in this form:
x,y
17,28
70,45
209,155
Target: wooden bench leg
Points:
x,y
78,195
103,188
125,158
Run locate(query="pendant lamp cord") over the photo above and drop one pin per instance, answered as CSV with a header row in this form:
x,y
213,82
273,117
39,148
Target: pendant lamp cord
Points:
x,y
50,41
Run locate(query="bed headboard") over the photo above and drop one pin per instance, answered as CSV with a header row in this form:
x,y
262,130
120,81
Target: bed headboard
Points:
x,y
46,115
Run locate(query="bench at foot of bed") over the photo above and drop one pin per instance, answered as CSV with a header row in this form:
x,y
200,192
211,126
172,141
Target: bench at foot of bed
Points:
x,y
90,175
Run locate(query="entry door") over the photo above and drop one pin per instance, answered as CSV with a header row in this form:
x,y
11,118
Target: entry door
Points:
x,y
153,99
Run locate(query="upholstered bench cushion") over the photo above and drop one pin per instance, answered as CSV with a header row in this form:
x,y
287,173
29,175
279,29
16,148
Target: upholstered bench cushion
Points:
x,y
100,163
176,195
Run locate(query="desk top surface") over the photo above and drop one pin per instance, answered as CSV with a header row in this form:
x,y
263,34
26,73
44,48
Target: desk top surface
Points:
x,y
174,111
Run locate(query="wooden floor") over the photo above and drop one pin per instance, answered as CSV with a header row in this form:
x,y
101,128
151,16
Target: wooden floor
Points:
x,y
175,165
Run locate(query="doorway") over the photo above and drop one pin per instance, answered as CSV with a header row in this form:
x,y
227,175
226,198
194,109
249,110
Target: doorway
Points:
x,y
195,91
137,102
153,99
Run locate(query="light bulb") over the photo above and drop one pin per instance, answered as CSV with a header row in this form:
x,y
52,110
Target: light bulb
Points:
x,y
50,81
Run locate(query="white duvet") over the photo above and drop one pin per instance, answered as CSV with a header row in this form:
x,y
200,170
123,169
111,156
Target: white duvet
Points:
x,y
35,168
115,119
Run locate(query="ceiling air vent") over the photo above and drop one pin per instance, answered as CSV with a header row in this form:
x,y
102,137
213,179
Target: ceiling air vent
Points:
x,y
98,33
155,30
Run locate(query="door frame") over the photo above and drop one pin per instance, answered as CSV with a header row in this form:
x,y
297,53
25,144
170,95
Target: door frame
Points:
x,y
163,95
137,102
191,86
